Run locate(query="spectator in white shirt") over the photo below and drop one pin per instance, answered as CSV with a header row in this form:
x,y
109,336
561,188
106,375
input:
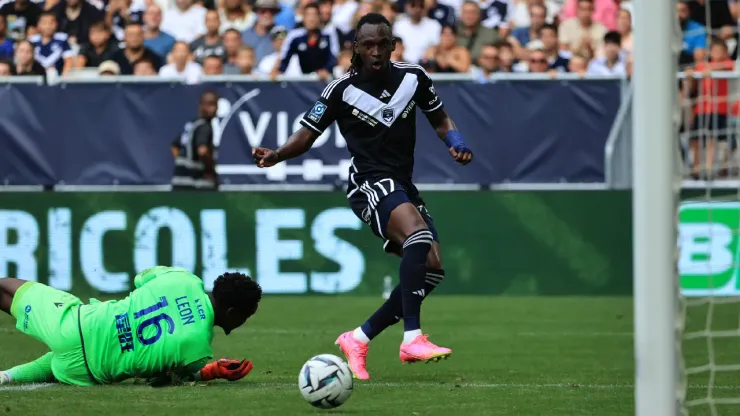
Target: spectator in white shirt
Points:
x,y
417,31
186,22
611,63
182,65
236,14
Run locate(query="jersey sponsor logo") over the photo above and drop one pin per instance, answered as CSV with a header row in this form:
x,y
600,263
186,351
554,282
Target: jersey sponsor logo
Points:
x,y
408,109
316,112
125,336
201,311
25,319
364,117
58,304
388,114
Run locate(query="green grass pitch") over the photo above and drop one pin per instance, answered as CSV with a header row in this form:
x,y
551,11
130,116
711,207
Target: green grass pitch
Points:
x,y
511,356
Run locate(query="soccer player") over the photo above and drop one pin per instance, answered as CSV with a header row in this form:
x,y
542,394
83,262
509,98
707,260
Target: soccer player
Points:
x,y
164,328
373,105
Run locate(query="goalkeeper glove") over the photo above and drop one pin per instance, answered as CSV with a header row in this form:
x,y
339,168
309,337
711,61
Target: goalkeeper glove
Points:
x,y
226,369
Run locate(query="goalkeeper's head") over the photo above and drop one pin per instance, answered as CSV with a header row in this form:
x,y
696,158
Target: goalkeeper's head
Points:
x,y
235,297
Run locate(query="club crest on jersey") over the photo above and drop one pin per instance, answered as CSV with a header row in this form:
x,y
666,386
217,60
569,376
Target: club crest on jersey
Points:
x,y
316,112
387,114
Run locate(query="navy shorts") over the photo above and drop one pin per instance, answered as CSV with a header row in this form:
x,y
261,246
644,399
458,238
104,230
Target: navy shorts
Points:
x,y
373,200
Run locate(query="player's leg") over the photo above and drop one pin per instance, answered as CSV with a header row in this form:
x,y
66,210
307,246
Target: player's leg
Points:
x,y
37,371
8,288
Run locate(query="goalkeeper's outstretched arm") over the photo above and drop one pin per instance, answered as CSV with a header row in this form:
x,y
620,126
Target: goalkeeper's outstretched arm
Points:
x,y
224,368
37,371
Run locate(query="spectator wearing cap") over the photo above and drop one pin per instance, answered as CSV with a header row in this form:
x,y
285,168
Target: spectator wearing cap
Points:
x,y
144,68
182,66
109,68
232,43
75,18
442,13
258,36
213,65
498,14
25,64
22,17
317,50
523,11
6,44
488,63
471,35
602,11
447,57
521,36
186,21
134,50
418,32
236,14
211,43
122,12
611,63
154,38
6,68
581,34
101,46
271,62
693,33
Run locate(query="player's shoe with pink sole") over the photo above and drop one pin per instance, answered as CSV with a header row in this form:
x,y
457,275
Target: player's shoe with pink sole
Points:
x,y
356,353
420,349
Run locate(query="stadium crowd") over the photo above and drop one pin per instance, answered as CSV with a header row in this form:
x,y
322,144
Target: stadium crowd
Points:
x,y
188,38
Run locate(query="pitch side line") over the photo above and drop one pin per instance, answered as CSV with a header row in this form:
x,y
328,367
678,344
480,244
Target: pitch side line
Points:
x,y
26,387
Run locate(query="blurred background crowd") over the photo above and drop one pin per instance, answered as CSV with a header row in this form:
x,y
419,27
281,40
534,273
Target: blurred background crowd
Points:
x,y
188,38
185,38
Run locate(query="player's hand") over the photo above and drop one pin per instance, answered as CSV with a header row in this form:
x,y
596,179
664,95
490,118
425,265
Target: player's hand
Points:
x,y
265,158
461,154
226,369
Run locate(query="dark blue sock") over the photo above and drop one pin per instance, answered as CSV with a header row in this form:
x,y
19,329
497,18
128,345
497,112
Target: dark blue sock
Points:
x,y
388,314
391,311
412,275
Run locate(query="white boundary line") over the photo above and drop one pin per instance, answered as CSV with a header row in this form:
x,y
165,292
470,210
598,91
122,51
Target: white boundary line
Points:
x,y
26,387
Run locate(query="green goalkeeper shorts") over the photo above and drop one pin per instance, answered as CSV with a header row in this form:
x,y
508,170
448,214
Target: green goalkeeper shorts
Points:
x,y
51,316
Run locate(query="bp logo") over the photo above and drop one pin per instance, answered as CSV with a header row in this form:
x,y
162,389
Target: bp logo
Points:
x,y
709,252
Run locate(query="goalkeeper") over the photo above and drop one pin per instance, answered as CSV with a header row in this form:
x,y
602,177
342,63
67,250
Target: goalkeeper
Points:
x,y
163,329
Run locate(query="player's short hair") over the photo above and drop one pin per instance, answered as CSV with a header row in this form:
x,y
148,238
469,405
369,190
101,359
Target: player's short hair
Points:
x,y
368,19
237,290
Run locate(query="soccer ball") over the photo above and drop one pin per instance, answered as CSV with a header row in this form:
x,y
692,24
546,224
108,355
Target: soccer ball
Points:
x,y
325,381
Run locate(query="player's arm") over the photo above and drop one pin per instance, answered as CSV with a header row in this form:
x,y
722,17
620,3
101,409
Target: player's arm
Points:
x,y
224,368
313,124
431,105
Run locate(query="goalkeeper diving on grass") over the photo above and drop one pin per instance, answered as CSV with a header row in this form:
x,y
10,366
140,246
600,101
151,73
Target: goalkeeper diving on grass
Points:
x,y
161,331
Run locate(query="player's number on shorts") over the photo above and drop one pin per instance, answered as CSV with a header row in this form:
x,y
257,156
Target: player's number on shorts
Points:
x,y
155,320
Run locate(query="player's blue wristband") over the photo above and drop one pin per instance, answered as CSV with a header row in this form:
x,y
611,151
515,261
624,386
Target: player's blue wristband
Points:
x,y
454,139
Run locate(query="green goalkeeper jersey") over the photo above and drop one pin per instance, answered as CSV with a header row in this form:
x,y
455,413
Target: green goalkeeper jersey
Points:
x,y
165,324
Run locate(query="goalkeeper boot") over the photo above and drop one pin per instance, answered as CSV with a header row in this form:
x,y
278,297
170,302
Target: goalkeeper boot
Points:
x,y
356,353
420,349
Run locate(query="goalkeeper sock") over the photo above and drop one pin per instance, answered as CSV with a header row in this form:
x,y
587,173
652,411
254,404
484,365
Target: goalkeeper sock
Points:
x,y
36,371
391,311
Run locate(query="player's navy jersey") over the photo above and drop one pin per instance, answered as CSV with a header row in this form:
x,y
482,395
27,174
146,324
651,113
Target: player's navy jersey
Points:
x,y
377,119
52,54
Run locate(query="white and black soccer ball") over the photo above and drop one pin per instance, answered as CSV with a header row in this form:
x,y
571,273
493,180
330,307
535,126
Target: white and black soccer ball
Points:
x,y
325,381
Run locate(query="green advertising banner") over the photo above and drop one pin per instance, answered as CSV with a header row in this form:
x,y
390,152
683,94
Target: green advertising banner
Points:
x,y
551,243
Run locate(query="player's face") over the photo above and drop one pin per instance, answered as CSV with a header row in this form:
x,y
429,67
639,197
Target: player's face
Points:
x,y
375,44
208,106
47,25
